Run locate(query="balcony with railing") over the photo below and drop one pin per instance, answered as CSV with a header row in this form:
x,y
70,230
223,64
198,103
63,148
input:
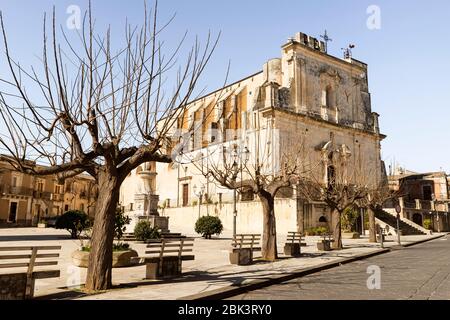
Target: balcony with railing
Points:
x,y
44,195
17,191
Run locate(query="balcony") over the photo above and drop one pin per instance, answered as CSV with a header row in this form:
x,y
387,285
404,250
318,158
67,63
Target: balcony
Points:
x,y
57,197
42,195
17,191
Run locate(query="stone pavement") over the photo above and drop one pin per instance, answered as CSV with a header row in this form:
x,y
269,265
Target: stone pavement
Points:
x,y
421,272
209,271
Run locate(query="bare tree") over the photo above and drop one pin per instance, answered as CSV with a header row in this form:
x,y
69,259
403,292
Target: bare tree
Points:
x,y
374,201
99,108
255,166
340,188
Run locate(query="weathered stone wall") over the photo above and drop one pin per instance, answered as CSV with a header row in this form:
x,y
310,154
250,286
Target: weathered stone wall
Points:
x,y
249,217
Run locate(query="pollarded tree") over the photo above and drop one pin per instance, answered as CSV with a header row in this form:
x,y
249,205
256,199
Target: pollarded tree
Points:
x,y
258,162
340,188
374,201
91,106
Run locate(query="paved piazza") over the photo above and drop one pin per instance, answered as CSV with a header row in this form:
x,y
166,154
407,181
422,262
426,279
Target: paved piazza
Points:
x,y
211,268
420,272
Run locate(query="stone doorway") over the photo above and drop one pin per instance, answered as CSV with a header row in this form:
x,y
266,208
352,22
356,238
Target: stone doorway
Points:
x,y
418,219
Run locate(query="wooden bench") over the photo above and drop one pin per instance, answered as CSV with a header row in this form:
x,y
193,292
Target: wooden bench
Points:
x,y
325,243
242,248
16,285
165,256
293,244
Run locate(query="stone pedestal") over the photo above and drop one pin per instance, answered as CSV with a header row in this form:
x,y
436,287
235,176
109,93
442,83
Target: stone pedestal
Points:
x,y
292,249
170,268
161,223
241,257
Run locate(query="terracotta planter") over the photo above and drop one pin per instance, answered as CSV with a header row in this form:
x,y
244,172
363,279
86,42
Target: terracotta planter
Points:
x,y
120,258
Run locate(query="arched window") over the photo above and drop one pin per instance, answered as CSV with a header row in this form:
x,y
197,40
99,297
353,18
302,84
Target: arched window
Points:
x,y
323,219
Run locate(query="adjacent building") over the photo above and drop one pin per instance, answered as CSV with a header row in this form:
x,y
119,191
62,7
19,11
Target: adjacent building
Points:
x,y
423,197
26,200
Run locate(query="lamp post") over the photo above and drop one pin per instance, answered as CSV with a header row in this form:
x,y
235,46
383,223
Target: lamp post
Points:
x,y
199,194
436,212
236,168
398,210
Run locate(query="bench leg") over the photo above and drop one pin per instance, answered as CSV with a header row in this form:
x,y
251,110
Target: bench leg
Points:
x,y
241,257
170,268
151,271
29,290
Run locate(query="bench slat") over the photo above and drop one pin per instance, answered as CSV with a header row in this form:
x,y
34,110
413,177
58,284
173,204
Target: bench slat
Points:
x,y
28,256
167,245
244,243
168,251
30,248
46,274
157,259
25,264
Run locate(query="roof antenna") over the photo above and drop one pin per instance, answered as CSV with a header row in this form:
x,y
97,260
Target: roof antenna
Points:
x,y
348,51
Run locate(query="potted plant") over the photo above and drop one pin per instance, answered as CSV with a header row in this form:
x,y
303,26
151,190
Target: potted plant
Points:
x,y
348,220
42,224
144,231
208,225
428,224
122,253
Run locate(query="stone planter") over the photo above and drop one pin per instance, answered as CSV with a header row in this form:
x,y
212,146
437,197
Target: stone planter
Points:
x,y
324,245
120,258
350,235
292,249
42,225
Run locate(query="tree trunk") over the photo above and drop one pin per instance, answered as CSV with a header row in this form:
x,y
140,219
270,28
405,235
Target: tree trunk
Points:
x,y
99,273
337,232
269,238
372,227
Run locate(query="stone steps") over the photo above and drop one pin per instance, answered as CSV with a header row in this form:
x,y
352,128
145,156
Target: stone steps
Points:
x,y
390,220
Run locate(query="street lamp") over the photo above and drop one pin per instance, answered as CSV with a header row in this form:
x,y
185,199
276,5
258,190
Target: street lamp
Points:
x,y
433,197
199,194
236,168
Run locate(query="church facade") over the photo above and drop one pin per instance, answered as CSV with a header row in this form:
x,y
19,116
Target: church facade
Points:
x,y
305,95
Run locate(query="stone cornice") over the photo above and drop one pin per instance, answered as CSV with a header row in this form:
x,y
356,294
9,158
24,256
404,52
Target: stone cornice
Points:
x,y
272,110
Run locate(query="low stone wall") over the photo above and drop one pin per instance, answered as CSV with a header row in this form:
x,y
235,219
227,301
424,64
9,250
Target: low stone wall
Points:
x,y
12,286
249,217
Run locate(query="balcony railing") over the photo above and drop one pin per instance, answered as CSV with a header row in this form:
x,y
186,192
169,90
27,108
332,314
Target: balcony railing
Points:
x,y
58,197
42,195
18,191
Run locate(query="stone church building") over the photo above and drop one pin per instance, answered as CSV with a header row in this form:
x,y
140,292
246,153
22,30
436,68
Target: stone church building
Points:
x,y
306,95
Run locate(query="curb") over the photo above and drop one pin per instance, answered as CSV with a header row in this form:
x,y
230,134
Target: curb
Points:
x,y
233,290
426,240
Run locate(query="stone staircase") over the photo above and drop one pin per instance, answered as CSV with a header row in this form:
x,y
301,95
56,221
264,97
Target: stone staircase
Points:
x,y
391,220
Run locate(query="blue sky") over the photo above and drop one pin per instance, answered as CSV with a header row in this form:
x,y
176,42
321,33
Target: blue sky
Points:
x,y
408,58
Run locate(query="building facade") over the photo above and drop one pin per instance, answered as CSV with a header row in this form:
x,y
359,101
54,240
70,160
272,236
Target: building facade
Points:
x,y
424,196
305,95
26,200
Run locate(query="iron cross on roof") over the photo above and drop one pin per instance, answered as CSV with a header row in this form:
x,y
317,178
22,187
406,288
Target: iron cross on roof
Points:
x,y
327,39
